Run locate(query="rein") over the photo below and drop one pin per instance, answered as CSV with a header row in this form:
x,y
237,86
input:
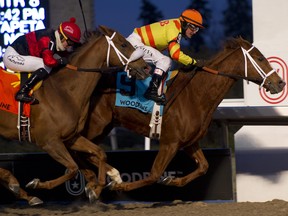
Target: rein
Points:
x,y
134,56
232,76
247,57
99,70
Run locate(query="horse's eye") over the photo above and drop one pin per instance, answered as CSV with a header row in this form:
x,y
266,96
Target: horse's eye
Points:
x,y
261,58
124,45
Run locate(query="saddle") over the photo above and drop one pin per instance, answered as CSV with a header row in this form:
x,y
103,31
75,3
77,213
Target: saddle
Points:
x,y
10,83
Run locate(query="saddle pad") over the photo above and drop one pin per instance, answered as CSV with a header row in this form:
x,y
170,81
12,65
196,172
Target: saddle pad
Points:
x,y
9,85
130,92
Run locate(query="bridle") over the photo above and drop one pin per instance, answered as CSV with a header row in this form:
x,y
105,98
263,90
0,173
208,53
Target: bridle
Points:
x,y
255,65
247,56
138,53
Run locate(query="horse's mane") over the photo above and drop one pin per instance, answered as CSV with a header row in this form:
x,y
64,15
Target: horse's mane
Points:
x,y
229,45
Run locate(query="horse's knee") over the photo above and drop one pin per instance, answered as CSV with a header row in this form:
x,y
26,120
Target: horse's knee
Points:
x,y
203,167
102,156
72,171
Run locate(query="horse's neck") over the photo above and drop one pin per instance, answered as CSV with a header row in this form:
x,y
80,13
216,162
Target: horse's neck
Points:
x,y
217,86
79,85
206,91
74,82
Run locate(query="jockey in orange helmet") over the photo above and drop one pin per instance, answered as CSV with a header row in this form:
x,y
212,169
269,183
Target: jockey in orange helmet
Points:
x,y
166,35
33,52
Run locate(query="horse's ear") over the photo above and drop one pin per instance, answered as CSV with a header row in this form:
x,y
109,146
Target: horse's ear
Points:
x,y
105,30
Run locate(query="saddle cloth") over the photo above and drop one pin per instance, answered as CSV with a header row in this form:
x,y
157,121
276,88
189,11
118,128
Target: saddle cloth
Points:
x,y
9,85
130,92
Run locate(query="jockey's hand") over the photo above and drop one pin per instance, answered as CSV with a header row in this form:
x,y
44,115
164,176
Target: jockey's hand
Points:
x,y
187,68
200,63
62,61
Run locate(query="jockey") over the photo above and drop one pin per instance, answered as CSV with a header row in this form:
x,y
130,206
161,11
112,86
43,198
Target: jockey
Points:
x,y
33,52
166,35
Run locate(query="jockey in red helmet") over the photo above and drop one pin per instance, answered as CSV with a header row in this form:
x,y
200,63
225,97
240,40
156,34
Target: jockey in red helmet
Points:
x,y
34,52
70,31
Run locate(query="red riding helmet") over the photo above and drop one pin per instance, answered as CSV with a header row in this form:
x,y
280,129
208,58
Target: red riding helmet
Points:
x,y
69,30
192,16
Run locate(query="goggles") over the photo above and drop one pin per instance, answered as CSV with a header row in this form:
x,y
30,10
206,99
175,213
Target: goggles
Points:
x,y
70,42
193,27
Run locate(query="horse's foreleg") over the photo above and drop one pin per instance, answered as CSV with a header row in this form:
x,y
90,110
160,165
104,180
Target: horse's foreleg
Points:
x,y
89,174
163,158
57,150
112,172
195,152
32,201
92,189
97,156
9,181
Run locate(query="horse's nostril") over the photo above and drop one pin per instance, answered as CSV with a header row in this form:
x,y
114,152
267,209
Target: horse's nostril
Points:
x,y
282,83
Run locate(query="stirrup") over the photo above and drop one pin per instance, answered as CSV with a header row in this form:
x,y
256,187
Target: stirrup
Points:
x,y
26,99
159,99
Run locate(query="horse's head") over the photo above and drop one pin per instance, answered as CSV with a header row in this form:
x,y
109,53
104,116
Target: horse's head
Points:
x,y
120,51
257,68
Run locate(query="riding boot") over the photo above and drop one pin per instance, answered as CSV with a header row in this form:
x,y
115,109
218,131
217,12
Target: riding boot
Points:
x,y
23,94
152,91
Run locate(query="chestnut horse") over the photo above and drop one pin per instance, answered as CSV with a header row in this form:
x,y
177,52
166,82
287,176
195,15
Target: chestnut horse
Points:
x,y
186,116
64,98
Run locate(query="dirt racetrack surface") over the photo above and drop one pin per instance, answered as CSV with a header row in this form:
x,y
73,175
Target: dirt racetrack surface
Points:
x,y
178,208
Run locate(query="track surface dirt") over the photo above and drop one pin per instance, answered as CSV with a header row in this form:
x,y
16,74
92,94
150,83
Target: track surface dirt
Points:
x,y
178,208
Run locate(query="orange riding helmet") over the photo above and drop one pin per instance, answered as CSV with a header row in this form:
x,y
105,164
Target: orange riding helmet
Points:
x,y
69,30
192,16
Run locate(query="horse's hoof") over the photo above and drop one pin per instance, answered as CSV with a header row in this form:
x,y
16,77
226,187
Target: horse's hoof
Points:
x,y
15,188
166,181
33,184
91,194
35,201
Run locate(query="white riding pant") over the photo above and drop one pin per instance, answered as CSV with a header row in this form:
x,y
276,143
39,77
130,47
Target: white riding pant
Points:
x,y
21,63
151,55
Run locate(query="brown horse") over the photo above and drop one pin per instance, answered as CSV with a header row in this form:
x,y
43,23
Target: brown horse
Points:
x,y
64,98
186,116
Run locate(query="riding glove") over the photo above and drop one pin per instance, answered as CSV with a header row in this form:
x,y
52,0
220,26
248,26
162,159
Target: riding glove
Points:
x,y
200,63
62,61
